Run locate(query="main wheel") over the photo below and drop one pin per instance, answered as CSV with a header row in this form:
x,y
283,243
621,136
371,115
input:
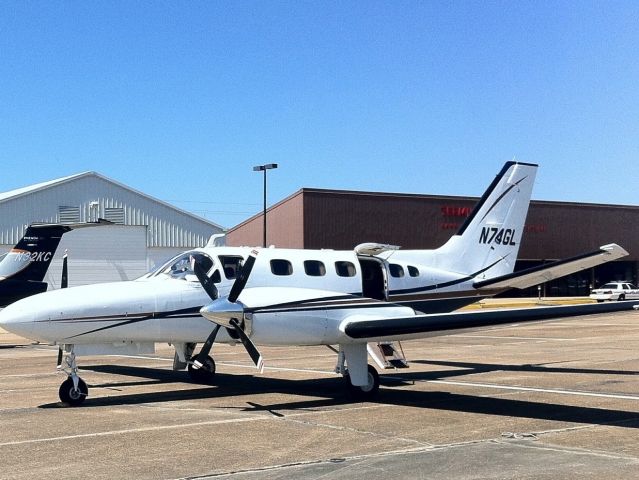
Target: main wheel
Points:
x,y
365,391
205,373
72,396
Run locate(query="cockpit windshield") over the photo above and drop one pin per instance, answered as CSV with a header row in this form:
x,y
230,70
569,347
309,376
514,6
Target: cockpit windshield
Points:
x,y
181,266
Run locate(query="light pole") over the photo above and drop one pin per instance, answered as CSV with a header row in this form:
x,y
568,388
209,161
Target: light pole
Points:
x,y
264,168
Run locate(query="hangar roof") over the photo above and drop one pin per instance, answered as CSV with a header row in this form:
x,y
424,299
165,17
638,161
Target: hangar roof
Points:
x,y
76,195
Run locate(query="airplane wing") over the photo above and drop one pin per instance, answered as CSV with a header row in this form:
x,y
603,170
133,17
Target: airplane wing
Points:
x,y
362,327
544,273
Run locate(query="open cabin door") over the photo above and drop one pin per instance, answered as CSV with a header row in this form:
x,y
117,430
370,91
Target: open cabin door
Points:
x,y
374,281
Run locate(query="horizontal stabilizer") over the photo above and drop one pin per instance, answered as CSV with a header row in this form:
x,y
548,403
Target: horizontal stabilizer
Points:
x,y
549,271
71,226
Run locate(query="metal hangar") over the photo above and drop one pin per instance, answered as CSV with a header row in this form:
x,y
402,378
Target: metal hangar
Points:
x,y
145,230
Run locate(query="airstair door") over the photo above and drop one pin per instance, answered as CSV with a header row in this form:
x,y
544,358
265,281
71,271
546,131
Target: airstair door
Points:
x,y
374,281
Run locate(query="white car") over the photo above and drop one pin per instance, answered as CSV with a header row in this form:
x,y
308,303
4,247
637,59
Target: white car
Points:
x,y
615,291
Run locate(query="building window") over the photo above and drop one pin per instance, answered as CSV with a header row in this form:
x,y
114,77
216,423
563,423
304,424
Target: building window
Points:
x,y
314,268
115,215
345,269
396,271
281,267
68,214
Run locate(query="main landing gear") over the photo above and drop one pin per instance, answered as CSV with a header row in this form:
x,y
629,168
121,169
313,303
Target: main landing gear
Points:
x,y
363,392
199,371
205,373
73,390
361,379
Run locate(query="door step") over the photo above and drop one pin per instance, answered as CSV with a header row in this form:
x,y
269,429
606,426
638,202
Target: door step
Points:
x,y
387,354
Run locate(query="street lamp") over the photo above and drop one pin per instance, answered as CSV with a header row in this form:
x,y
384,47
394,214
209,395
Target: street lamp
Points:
x,y
264,168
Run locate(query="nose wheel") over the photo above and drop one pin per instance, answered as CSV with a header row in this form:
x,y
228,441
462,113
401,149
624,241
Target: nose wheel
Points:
x,y
73,390
73,395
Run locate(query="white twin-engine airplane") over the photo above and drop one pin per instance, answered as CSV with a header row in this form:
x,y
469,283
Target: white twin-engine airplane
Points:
x,y
349,299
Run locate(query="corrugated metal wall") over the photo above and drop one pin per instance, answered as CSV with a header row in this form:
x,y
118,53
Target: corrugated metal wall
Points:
x,y
93,194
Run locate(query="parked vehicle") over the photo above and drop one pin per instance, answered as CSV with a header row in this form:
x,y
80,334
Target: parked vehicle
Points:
x,y
615,291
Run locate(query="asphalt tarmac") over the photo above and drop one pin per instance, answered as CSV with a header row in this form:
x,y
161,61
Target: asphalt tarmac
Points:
x,y
552,400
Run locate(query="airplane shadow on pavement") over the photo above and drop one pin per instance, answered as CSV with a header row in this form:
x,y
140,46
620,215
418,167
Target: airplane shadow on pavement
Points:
x,y
332,393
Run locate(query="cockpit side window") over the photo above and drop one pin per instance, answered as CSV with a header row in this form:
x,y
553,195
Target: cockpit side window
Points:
x,y
180,266
231,265
204,260
216,277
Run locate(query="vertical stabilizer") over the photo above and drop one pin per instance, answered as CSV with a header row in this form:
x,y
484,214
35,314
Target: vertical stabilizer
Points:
x,y
30,258
488,242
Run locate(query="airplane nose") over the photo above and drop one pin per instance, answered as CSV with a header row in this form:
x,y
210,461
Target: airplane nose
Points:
x,y
17,319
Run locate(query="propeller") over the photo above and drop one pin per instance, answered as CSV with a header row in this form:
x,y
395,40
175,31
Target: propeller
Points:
x,y
200,273
64,282
250,347
242,278
210,288
227,312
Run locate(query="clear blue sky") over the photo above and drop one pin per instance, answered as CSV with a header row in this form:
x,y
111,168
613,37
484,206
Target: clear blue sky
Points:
x,y
180,99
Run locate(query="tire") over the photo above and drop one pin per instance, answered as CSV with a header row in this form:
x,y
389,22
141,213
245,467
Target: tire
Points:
x,y
367,391
69,395
205,374
621,298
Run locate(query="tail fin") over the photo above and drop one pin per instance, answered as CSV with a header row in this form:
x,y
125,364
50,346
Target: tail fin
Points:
x,y
487,244
30,258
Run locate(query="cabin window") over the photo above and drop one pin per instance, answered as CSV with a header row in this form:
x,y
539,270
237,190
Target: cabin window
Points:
x,y
396,271
345,269
231,265
314,268
281,267
413,271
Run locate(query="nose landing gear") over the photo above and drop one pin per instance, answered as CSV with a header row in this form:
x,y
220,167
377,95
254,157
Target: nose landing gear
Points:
x,y
73,390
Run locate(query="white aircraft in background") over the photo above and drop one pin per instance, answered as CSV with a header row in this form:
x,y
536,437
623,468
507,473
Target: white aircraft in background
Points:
x,y
352,299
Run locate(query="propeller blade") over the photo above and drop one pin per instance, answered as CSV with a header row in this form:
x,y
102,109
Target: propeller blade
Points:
x,y
242,278
206,282
64,282
252,350
59,358
206,348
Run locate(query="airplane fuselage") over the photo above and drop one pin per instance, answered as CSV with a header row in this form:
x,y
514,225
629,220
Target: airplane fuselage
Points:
x,y
163,306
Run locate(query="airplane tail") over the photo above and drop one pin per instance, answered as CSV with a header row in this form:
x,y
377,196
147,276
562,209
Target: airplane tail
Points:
x,y
487,244
30,258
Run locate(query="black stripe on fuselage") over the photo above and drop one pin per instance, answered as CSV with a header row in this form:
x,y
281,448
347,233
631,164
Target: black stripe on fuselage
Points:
x,y
428,288
130,319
